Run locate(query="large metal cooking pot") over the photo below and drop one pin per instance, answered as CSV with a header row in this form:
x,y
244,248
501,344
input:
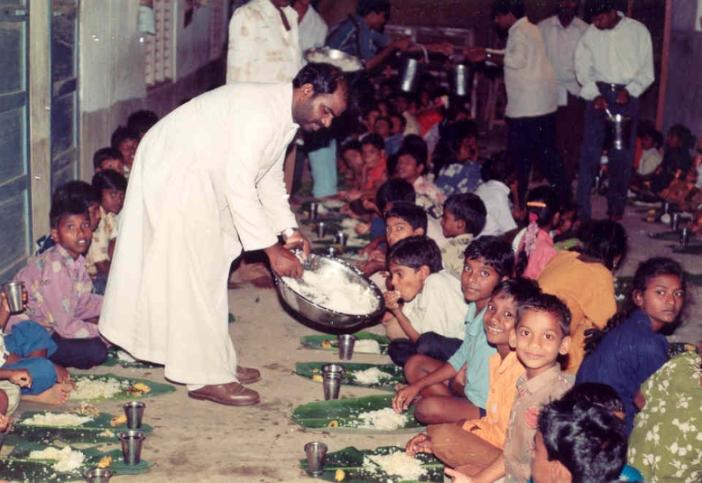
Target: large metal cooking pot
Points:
x,y
337,58
321,315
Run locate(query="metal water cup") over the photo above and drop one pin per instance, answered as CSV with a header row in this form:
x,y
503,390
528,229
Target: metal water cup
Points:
x,y
331,251
321,228
461,76
132,441
410,75
675,221
316,453
684,237
332,375
98,475
314,210
13,292
346,343
341,239
134,410
666,207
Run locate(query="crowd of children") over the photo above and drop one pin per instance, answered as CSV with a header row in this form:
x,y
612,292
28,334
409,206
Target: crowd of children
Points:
x,y
63,282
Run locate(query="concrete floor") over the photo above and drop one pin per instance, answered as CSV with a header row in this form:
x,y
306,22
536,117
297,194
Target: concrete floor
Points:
x,y
202,441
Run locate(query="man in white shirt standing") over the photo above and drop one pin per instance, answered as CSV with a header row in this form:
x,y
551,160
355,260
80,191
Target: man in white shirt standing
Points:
x,y
614,65
561,34
531,96
312,27
263,43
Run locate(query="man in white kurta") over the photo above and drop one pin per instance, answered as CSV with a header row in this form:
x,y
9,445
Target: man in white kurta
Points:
x,y
207,182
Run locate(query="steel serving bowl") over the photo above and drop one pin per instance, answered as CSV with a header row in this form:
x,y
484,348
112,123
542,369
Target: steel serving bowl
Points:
x,y
337,58
322,315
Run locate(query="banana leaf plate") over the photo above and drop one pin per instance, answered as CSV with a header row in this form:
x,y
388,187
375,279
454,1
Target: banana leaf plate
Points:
x,y
129,387
330,343
99,430
344,415
347,465
119,357
17,467
389,374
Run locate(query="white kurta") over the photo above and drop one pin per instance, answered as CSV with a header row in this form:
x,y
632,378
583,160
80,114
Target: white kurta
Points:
x,y
207,180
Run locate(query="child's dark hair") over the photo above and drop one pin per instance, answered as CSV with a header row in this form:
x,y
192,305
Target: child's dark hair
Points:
x,y
365,7
109,179
604,241
392,191
121,134
77,190
352,145
65,205
416,252
682,132
104,154
542,206
551,304
499,168
495,252
470,209
142,120
373,139
594,393
504,7
409,212
585,438
417,147
417,154
520,289
647,270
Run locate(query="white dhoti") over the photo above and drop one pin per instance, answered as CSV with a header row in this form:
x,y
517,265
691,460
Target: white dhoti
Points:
x,y
207,180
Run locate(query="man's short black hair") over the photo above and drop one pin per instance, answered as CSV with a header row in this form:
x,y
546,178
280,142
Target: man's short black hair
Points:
x,y
551,304
109,179
365,7
392,191
499,168
495,252
409,212
597,7
106,153
142,120
62,205
595,393
416,252
76,190
121,134
469,208
373,139
585,438
325,78
504,7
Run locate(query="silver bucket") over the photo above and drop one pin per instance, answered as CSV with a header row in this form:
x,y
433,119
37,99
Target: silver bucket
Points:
x,y
619,127
462,80
410,75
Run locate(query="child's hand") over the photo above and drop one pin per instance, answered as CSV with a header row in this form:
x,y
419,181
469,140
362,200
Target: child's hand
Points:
x,y
21,377
392,300
404,397
457,477
420,443
377,256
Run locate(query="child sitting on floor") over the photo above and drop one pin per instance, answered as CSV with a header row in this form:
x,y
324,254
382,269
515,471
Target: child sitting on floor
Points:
x,y
630,349
24,367
374,163
534,245
540,338
125,140
487,261
583,279
352,166
498,174
460,172
111,186
462,221
59,287
676,158
426,301
412,167
448,396
108,158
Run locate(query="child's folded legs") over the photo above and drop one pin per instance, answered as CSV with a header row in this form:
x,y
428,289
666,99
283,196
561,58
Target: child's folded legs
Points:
x,y
42,371
28,337
461,449
79,353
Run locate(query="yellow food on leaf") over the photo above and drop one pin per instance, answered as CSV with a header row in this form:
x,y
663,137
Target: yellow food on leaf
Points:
x,y
326,344
317,378
118,420
105,462
141,387
333,424
339,475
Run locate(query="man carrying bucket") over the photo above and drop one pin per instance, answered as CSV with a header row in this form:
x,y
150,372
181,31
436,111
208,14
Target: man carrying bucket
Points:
x,y
207,182
614,65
